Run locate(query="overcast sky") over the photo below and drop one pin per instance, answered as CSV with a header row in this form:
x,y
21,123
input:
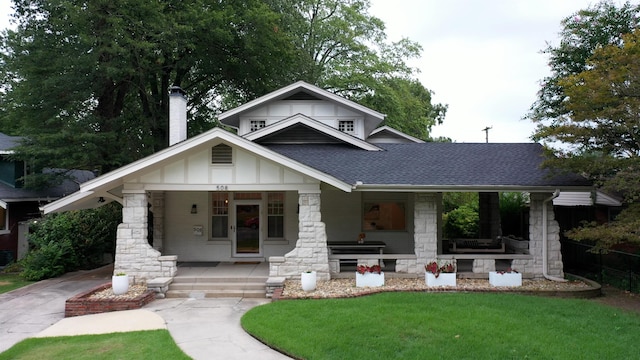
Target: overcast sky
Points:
x,y
481,57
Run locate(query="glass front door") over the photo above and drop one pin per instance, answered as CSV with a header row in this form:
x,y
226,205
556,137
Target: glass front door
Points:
x,y
247,232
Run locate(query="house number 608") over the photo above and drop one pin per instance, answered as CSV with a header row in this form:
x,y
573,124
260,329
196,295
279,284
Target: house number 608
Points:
x,y
221,187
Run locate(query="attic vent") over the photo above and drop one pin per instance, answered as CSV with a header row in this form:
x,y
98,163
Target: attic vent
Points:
x,y
221,154
301,95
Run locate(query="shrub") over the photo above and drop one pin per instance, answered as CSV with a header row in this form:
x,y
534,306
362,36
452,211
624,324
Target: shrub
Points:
x,y
70,241
462,222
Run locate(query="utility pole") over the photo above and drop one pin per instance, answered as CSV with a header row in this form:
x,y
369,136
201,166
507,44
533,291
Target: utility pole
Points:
x,y
486,130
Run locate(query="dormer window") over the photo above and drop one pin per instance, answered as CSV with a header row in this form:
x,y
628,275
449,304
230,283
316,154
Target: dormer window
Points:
x,y
221,154
346,126
257,124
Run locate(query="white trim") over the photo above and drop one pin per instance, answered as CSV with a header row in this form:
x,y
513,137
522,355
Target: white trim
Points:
x,y
316,125
292,89
395,132
113,179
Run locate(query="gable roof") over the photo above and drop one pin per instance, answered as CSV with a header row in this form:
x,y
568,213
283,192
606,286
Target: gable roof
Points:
x,y
100,186
304,91
436,166
383,133
293,123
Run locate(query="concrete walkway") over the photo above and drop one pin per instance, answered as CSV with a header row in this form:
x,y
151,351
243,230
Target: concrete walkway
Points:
x,y
200,327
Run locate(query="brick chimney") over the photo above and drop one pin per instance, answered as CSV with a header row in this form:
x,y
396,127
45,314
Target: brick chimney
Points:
x,y
177,115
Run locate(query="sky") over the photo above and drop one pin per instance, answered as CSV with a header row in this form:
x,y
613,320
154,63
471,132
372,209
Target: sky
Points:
x,y
481,57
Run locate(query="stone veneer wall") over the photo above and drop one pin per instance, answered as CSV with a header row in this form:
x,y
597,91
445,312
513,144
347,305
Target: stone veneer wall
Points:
x,y
134,255
534,266
425,215
157,202
310,253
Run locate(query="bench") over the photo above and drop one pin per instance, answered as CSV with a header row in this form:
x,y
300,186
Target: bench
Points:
x,y
477,246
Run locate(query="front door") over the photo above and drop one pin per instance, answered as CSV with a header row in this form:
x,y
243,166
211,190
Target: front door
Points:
x,y
247,230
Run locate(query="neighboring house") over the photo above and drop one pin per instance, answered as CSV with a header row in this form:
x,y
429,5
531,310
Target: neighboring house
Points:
x,y
308,167
18,204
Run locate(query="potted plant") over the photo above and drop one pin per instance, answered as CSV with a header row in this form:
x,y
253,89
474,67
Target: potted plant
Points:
x,y
505,278
361,237
440,275
308,280
371,276
120,283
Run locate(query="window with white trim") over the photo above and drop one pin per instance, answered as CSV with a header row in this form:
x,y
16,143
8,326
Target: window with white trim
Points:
x,y
257,124
347,126
275,215
220,215
4,219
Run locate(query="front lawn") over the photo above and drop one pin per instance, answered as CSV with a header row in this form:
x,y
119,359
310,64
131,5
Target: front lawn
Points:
x,y
446,326
153,344
9,282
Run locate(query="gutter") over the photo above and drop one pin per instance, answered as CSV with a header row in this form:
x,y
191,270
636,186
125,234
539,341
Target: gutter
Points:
x,y
545,238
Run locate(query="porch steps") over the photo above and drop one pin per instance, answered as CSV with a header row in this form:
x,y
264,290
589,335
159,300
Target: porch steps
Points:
x,y
217,287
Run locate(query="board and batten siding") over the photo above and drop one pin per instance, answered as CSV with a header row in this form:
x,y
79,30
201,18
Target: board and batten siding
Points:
x,y
322,111
247,172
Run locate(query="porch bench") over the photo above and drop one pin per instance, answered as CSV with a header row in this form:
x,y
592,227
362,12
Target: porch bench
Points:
x,y
477,246
337,259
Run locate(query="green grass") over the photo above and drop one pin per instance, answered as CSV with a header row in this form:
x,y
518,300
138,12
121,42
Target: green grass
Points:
x,y
154,344
446,326
9,282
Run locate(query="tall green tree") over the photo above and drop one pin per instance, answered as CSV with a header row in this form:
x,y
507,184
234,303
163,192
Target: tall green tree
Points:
x,y
590,108
87,81
346,51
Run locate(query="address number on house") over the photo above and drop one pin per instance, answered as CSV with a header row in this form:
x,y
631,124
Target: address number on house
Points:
x,y
222,187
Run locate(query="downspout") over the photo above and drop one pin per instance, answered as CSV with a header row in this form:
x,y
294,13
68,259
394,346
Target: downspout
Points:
x,y
545,238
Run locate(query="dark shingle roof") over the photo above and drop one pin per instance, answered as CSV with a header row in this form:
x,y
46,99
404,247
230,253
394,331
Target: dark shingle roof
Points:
x,y
433,164
8,142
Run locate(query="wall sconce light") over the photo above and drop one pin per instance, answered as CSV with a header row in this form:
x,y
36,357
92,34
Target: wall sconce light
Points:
x,y
194,209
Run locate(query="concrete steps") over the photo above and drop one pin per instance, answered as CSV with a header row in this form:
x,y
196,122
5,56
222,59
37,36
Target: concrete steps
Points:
x,y
217,287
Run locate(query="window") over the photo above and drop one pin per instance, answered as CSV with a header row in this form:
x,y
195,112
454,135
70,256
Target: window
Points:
x,y
220,215
257,124
384,216
275,215
346,126
4,218
221,154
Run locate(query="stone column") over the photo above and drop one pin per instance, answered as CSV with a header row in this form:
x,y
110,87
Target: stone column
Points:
x,y
425,231
157,202
134,255
554,254
311,251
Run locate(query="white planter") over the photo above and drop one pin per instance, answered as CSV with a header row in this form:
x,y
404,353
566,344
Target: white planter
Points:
x,y
120,284
444,279
369,279
308,280
505,279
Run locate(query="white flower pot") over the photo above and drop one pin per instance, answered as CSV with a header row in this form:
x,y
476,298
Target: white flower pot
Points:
x,y
369,279
120,284
505,279
444,279
308,280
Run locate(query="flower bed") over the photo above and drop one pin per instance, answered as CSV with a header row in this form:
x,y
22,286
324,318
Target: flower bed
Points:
x,y
101,299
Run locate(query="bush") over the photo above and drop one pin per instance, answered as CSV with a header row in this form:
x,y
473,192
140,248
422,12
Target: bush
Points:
x,y
462,222
70,241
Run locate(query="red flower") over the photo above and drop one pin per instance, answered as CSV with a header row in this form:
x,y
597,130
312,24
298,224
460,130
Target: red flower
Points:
x,y
363,269
433,268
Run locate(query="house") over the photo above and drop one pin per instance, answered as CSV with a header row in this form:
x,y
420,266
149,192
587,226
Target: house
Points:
x,y
308,168
18,204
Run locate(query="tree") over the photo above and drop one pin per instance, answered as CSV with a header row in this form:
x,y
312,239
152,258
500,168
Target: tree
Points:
x,y
591,107
87,82
347,52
